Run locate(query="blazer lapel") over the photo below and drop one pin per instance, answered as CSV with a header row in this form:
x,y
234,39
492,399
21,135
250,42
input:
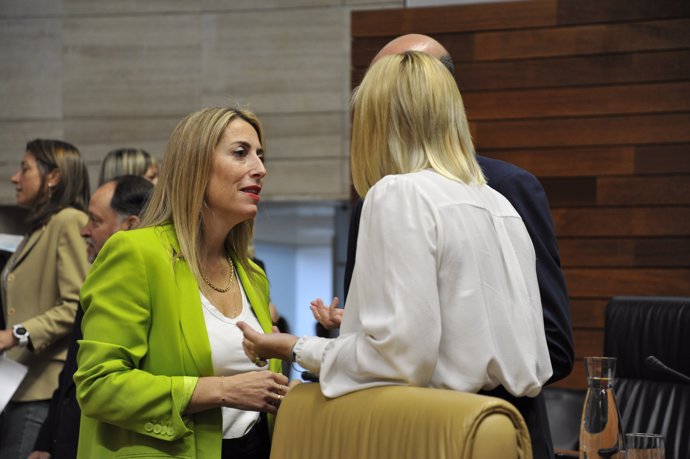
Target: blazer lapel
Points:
x,y
191,316
25,247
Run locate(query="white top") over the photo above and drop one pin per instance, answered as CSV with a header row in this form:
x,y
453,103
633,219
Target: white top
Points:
x,y
444,294
229,357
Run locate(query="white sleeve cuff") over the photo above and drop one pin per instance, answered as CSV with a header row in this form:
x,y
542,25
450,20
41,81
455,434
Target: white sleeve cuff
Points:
x,y
308,352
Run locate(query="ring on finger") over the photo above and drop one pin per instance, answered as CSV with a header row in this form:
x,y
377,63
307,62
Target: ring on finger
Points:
x,y
259,362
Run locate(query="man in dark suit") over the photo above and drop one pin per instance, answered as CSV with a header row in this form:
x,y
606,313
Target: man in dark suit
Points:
x,y
113,207
527,196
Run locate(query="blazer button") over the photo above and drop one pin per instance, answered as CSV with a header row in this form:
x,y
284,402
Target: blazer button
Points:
x,y
157,428
171,431
148,427
11,311
10,277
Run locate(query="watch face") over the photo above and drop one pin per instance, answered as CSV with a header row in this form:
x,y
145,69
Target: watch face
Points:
x,y
21,331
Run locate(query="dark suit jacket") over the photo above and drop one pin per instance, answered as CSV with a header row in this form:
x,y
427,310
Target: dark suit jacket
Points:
x,y
526,194
59,434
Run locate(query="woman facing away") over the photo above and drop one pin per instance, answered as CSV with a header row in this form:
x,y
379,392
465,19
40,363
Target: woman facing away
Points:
x,y
161,370
128,161
444,293
40,283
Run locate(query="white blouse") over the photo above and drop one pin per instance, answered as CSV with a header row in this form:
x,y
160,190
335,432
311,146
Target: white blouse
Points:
x,y
229,358
444,294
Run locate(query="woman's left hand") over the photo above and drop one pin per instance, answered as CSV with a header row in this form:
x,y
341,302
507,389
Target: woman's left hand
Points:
x,y
259,346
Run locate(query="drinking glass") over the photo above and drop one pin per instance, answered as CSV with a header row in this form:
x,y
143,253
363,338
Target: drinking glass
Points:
x,y
644,446
600,431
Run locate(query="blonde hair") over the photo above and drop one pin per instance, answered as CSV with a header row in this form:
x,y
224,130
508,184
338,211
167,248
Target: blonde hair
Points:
x,y
409,116
124,161
179,195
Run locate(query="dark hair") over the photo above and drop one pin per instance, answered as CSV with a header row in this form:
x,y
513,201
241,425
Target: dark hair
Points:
x,y
72,190
131,194
447,62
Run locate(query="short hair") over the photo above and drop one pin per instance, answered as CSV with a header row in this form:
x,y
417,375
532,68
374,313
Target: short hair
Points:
x,y
131,194
124,161
178,197
72,190
447,61
409,116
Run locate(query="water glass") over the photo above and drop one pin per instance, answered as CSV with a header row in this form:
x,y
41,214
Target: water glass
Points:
x,y
644,446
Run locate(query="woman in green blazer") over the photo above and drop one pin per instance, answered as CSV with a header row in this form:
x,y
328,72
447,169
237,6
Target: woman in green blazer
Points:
x,y
40,283
161,366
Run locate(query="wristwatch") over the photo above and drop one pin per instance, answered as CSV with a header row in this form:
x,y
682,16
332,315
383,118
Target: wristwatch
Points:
x,y
21,333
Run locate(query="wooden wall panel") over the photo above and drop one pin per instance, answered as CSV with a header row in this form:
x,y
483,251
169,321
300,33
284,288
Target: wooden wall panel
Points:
x,y
592,97
585,39
583,11
580,101
609,130
573,71
608,282
386,23
622,221
588,313
625,252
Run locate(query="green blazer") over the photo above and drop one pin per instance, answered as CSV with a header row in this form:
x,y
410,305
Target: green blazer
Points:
x,y
145,345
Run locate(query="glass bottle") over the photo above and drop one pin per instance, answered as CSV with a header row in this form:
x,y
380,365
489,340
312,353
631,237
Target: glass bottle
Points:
x,y
601,435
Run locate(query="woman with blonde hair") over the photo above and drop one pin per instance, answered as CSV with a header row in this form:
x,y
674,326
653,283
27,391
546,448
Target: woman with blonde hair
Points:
x,y
161,368
444,292
40,283
128,161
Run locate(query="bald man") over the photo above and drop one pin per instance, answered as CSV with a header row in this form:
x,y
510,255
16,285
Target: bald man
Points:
x,y
527,196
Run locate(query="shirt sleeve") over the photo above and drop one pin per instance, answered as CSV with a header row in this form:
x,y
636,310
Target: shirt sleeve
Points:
x,y
392,330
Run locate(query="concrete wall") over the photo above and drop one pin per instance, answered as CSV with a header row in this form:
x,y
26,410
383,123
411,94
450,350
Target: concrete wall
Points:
x,y
104,74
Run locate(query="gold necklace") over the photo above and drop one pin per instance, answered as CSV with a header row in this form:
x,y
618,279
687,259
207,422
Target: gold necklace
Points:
x,y
230,278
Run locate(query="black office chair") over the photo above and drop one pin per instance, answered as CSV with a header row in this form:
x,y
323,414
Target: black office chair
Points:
x,y
650,398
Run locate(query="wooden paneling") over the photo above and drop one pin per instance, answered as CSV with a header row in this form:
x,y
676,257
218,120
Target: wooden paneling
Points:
x,y
582,161
582,11
625,252
571,191
588,313
608,282
573,71
594,101
643,191
618,191
617,221
661,159
579,40
454,19
588,342
543,72
609,130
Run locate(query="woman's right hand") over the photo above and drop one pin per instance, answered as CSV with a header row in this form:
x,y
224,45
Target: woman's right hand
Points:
x,y
255,391
328,316
252,391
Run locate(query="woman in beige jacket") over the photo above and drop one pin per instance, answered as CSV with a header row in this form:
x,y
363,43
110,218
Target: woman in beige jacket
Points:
x,y
41,282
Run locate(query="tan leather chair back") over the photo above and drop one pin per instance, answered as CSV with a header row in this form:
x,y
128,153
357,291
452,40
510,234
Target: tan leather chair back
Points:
x,y
398,422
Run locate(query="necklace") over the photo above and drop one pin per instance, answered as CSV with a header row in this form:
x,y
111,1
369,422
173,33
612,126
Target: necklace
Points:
x,y
230,278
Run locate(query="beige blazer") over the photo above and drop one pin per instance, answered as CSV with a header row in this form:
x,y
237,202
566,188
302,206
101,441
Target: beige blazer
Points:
x,y
40,289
